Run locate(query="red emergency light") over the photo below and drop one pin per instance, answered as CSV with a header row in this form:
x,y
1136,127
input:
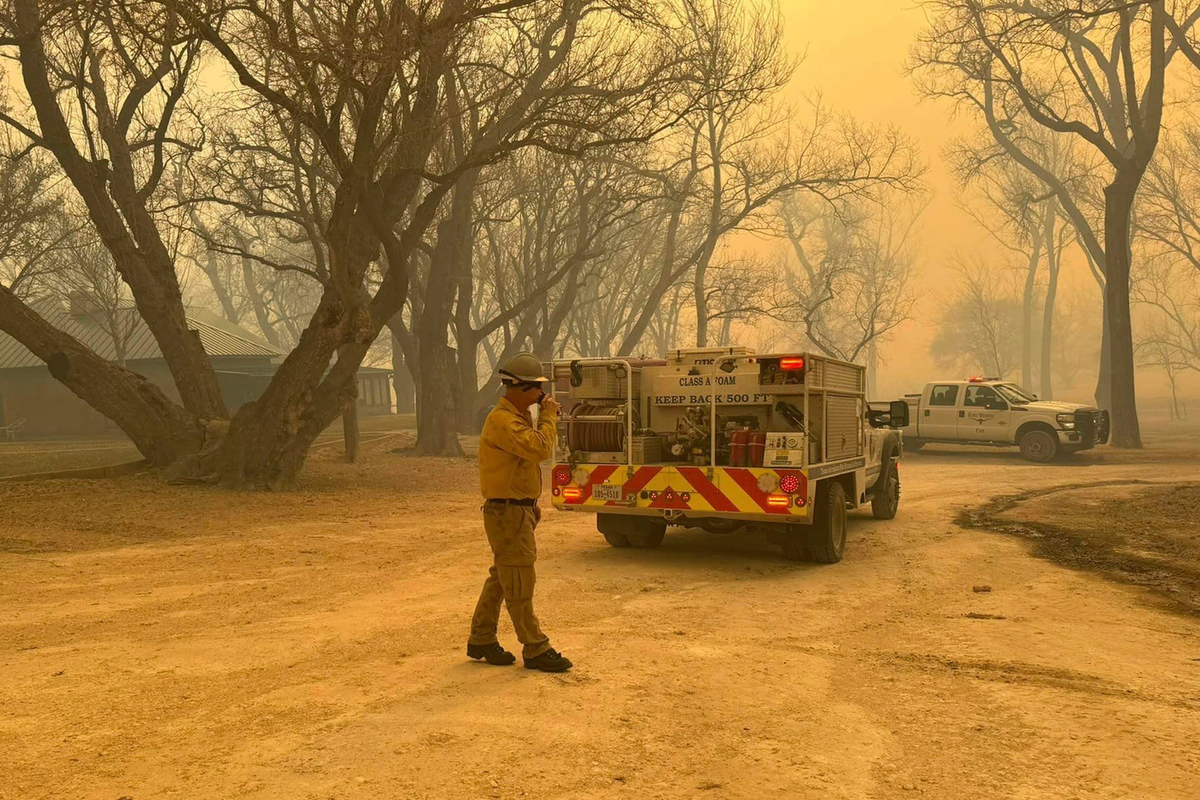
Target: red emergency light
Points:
x,y
791,363
561,475
789,483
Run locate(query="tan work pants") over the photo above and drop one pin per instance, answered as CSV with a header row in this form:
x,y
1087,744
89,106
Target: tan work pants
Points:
x,y
511,579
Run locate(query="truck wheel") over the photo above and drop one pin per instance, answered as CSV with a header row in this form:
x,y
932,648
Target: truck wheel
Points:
x,y
828,533
613,529
886,501
651,538
1038,445
625,531
616,539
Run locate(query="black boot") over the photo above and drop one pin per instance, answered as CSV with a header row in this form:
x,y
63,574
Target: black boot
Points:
x,y
492,653
549,661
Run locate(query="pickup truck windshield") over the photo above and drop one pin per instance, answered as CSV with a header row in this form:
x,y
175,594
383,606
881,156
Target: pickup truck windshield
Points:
x,y
1014,394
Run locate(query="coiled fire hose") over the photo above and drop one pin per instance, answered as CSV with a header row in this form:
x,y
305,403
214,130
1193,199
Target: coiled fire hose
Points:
x,y
597,428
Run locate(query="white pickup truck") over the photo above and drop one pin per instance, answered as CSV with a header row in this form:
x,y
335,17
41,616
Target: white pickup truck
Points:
x,y
984,411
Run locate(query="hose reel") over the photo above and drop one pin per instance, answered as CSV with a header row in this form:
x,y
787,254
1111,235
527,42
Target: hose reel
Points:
x,y
598,427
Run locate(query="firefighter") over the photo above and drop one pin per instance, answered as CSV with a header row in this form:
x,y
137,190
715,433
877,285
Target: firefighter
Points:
x,y
510,450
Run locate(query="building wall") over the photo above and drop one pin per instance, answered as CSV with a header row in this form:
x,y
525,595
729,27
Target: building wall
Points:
x,y
48,407
51,409
374,394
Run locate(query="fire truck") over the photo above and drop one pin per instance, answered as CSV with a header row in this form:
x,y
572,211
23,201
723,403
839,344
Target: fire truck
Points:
x,y
724,439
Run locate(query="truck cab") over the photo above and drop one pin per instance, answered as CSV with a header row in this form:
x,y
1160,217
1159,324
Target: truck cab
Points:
x,y
990,411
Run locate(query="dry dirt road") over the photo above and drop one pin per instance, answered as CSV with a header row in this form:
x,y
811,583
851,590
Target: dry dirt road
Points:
x,y
160,642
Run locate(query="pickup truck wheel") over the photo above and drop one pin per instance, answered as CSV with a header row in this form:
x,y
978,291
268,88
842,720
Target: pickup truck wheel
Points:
x,y
886,501
1039,445
828,533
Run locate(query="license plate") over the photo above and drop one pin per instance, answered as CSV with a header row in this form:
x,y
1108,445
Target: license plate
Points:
x,y
608,492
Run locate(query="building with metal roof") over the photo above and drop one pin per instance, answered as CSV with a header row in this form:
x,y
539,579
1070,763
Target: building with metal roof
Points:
x,y
31,398
101,331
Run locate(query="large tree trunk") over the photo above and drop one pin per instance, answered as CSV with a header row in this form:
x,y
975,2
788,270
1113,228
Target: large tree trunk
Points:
x,y
437,408
161,430
1118,204
470,418
269,439
1104,375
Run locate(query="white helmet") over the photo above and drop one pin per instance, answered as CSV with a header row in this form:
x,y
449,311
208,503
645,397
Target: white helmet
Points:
x,y
523,368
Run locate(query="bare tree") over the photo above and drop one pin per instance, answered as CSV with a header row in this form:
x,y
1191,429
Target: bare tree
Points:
x,y
378,88
557,259
1023,216
32,224
1093,70
978,331
1161,353
849,285
1170,291
86,280
738,151
105,82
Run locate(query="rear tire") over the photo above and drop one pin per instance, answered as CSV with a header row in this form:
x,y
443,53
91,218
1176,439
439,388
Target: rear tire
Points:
x,y
627,531
1039,446
828,535
616,539
651,539
886,501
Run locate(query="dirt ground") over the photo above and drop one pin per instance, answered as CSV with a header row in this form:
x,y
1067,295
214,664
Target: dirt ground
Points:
x,y
160,641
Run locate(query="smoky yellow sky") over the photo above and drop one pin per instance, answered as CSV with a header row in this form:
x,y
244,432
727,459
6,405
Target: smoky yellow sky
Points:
x,y
854,52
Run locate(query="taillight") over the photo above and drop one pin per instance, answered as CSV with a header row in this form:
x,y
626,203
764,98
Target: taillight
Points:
x,y
789,483
791,363
561,475
779,500
572,494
